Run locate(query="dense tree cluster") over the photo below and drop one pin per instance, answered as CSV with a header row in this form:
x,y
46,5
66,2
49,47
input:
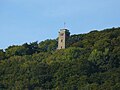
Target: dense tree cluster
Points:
x,y
90,62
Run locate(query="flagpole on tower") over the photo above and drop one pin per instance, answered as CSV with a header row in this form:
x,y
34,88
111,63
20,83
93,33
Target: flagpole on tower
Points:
x,y
64,25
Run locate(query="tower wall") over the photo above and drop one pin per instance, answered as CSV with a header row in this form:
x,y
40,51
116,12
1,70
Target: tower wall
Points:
x,y
63,35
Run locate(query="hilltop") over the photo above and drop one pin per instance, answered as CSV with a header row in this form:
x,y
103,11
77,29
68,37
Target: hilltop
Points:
x,y
91,61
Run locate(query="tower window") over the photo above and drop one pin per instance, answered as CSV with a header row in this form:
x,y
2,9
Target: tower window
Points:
x,y
61,34
61,40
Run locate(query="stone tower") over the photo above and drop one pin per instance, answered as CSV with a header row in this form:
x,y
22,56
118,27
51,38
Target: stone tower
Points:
x,y
63,36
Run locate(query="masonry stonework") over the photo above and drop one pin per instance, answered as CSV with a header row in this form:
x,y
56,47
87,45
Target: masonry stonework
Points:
x,y
62,38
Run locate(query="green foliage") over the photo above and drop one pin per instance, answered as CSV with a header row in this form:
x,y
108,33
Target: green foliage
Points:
x,y
90,62
2,54
15,50
48,45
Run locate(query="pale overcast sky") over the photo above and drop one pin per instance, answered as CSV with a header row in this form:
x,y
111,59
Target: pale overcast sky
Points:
x,y
24,21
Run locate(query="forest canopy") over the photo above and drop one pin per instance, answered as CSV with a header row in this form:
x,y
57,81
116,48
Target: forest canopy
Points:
x,y
91,61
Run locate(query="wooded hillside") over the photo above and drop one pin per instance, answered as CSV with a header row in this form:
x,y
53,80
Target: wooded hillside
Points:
x,y
91,61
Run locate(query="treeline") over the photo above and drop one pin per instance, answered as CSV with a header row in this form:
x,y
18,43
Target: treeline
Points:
x,y
90,62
